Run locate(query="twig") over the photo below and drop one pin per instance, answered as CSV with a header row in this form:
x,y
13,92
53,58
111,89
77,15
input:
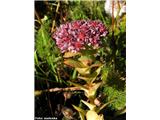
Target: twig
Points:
x,y
39,92
63,89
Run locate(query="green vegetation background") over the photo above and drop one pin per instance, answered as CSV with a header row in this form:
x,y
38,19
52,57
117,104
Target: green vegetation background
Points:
x,y
49,70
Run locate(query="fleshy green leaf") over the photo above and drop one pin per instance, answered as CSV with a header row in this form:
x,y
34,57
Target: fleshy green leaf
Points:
x,y
92,115
86,59
91,77
74,63
96,73
80,111
98,64
83,71
70,54
93,89
79,85
89,105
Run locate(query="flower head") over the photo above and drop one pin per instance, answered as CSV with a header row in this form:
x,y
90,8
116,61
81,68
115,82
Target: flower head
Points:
x,y
74,36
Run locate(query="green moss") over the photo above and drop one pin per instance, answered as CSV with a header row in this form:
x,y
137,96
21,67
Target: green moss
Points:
x,y
118,96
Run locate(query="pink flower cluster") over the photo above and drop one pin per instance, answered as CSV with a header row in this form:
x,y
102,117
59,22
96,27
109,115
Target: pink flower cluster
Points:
x,y
74,36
